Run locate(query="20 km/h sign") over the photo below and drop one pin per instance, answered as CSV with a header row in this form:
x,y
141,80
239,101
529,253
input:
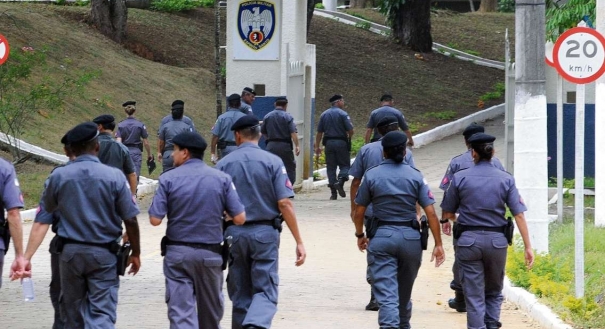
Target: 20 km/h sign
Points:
x,y
579,55
4,49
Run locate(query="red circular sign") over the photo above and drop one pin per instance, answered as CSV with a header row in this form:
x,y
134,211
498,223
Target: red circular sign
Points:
x,y
579,55
4,49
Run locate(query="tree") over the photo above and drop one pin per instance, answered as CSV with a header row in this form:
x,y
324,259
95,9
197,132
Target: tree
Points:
x,y
109,17
488,6
358,3
561,16
310,9
410,22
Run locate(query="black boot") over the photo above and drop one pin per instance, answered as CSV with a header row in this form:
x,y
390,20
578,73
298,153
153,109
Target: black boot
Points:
x,y
493,325
372,305
340,186
458,302
333,190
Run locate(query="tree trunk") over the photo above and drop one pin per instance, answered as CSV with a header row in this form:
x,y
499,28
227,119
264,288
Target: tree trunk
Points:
x,y
358,3
310,10
488,6
472,5
109,17
412,25
140,4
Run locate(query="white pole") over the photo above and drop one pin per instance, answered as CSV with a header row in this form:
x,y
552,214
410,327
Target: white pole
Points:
x,y
559,148
599,212
329,5
579,199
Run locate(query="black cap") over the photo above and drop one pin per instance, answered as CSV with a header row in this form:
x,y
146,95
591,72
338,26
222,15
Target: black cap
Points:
x,y
387,121
82,133
178,105
129,103
249,90
472,129
281,99
64,139
335,98
190,140
247,121
104,119
386,98
394,138
234,97
481,138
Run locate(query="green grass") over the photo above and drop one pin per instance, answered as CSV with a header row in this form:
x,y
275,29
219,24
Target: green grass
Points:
x,y
443,115
570,183
363,25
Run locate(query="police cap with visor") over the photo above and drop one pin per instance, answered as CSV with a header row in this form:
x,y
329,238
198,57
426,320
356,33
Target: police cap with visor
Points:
x,y
335,98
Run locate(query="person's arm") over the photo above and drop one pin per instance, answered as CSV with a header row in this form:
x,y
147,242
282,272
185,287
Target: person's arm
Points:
x,y
132,230
132,181
318,137
522,226
14,225
161,145
119,139
294,137
410,138
354,187
351,132
438,253
147,147
155,221
362,240
213,143
447,226
368,135
36,236
287,210
239,219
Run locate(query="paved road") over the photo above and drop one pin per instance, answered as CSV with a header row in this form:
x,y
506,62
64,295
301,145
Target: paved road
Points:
x,y
328,291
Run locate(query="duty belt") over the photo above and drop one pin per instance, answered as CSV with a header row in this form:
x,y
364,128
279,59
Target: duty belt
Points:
x,y
398,223
214,247
336,138
230,143
111,246
482,228
268,222
285,140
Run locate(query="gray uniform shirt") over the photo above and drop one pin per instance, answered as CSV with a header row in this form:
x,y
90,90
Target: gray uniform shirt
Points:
x,y
382,112
9,187
393,189
246,109
260,178
278,125
131,131
169,118
194,197
92,199
480,195
461,162
171,129
223,124
334,123
115,154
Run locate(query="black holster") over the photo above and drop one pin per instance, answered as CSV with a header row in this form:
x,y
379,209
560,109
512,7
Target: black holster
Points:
x,y
56,245
123,256
424,232
349,144
221,144
225,254
457,231
371,227
5,235
277,223
509,230
163,244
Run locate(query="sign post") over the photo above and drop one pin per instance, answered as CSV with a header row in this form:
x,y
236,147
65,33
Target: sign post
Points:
x,y
4,49
579,56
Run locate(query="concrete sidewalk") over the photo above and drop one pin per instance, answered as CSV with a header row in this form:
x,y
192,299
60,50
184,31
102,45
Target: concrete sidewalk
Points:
x,y
328,291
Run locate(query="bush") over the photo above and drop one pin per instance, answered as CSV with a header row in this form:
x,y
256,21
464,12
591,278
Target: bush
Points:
x,y
320,6
172,6
506,6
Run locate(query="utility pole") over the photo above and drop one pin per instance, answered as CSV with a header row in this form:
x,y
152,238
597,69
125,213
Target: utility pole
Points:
x,y
218,79
530,117
599,213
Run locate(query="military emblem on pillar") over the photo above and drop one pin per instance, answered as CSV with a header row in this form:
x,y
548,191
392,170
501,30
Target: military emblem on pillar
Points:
x,y
256,23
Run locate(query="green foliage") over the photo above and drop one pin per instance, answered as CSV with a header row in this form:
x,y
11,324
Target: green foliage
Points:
x,y
320,6
171,6
363,25
589,182
389,9
472,52
499,89
358,16
506,6
453,45
443,115
415,126
563,16
26,89
356,144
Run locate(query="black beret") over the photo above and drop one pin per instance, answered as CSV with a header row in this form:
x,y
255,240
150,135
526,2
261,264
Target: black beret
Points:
x,y
472,129
481,138
394,138
386,98
335,98
233,97
191,141
281,99
387,121
249,90
129,103
104,119
178,102
247,121
82,133
64,138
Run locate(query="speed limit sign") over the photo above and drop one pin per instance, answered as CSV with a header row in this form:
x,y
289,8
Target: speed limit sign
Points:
x,y
579,55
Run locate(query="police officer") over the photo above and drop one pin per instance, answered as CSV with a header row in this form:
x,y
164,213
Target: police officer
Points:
x,y
222,136
335,131
168,118
130,133
262,183
386,108
370,155
479,195
93,200
248,96
42,221
280,132
460,162
12,202
112,153
194,197
167,133
395,251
